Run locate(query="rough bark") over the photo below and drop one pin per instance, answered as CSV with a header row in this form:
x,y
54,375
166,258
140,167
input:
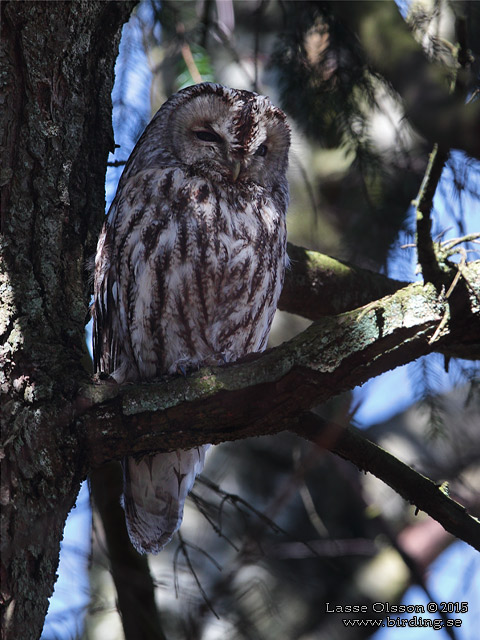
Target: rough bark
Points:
x,y
57,61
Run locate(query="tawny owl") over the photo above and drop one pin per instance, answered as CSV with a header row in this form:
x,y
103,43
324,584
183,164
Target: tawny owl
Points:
x,y
189,266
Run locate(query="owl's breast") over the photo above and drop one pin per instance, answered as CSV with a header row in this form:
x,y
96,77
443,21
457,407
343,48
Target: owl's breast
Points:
x,y
225,275
205,271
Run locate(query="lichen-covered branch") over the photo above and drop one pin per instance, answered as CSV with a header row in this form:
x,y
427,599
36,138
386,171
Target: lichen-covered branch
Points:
x,y
274,391
264,394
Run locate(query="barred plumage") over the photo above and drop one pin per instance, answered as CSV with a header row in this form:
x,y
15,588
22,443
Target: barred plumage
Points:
x,y
190,265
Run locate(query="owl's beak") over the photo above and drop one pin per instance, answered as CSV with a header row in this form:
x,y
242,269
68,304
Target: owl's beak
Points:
x,y
236,166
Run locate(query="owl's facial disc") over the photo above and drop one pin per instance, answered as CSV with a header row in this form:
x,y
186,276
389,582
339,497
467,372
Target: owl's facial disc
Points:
x,y
230,136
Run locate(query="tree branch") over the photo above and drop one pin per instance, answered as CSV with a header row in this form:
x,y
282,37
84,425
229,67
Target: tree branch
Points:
x,y
130,571
427,257
271,392
264,394
313,281
350,444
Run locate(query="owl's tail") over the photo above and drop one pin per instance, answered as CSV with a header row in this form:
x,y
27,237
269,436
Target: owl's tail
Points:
x,y
155,489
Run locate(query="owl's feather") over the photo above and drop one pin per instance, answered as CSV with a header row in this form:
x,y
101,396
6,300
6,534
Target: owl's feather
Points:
x,y
155,491
190,265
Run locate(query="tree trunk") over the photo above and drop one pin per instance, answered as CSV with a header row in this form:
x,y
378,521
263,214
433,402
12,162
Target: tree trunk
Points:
x,y
57,70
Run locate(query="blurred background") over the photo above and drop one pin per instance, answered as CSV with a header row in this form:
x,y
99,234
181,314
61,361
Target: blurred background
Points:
x,y
276,528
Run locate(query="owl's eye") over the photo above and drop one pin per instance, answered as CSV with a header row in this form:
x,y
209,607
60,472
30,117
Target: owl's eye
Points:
x,y
207,136
261,151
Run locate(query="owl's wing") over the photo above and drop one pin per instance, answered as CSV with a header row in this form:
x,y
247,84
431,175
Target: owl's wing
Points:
x,y
121,301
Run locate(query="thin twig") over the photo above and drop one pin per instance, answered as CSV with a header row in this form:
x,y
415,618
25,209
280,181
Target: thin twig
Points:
x,y
183,549
441,325
307,499
217,528
235,500
471,237
188,56
457,275
117,163
424,205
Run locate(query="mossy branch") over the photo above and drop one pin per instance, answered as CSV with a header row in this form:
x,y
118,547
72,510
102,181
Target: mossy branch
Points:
x,y
263,393
313,281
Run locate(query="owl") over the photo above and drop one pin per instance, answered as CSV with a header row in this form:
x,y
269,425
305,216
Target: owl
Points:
x,y
189,266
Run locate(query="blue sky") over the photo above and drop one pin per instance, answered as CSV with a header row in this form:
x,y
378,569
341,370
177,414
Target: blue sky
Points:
x,y
453,577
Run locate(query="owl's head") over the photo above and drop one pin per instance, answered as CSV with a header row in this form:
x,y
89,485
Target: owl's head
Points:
x,y
227,134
